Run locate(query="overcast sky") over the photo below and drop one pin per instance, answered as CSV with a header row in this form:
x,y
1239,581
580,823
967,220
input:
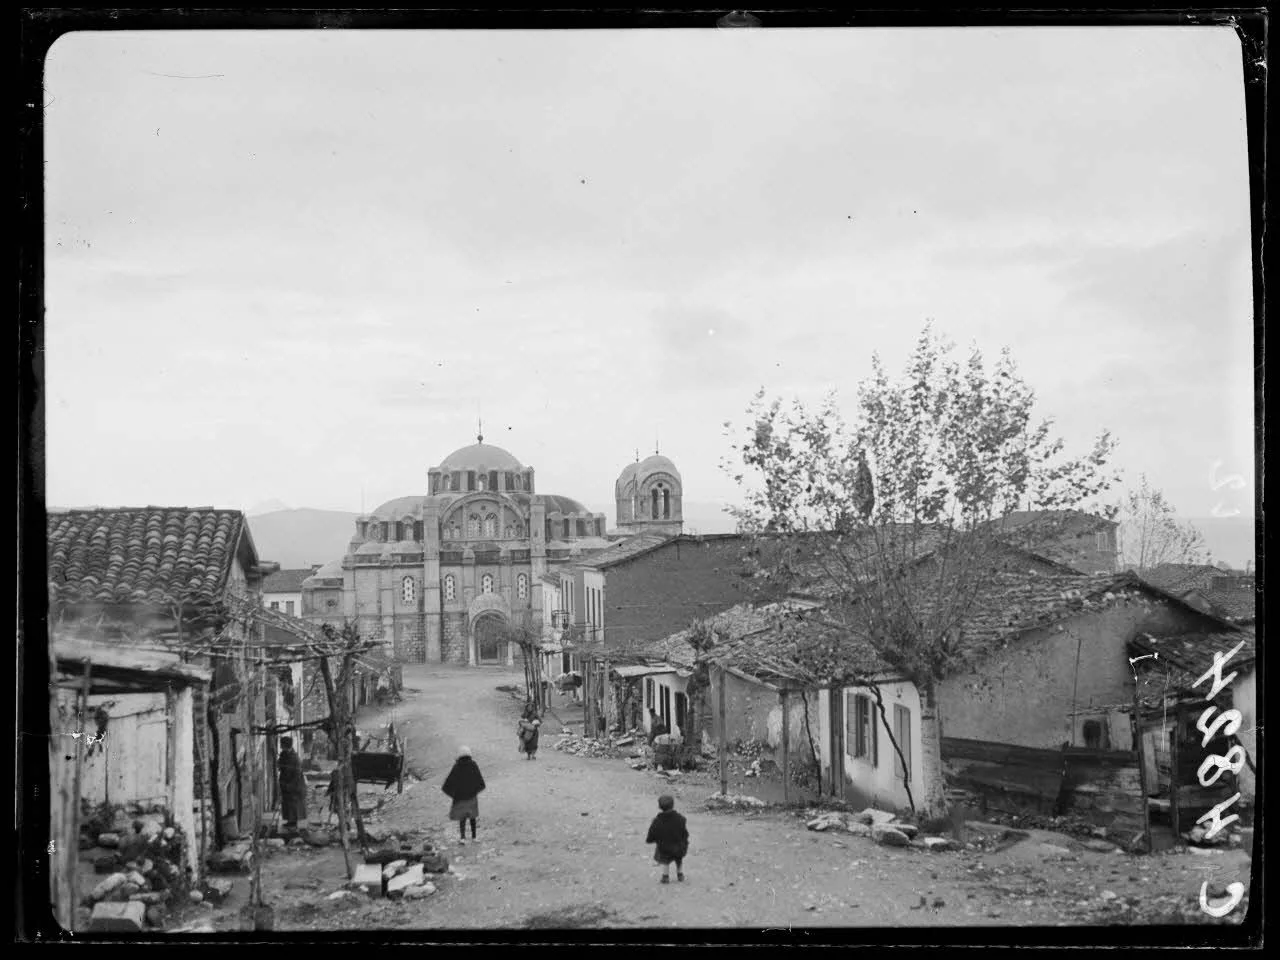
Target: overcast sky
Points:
x,y
296,266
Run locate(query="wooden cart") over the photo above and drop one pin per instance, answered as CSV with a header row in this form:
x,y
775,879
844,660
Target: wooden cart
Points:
x,y
384,764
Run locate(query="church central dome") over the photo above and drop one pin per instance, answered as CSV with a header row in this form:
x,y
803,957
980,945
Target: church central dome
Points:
x,y
480,456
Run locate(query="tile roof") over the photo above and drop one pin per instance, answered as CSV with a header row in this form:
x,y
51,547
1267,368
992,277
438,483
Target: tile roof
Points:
x,y
286,581
144,555
1009,604
1181,577
1182,660
1236,605
624,550
1075,519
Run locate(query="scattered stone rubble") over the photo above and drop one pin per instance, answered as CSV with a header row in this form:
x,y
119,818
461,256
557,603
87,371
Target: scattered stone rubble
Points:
x,y
397,872
734,801
880,825
144,867
580,746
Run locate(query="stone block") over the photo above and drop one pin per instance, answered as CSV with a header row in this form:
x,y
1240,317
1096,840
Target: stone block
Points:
x,y
411,877
887,835
871,816
420,891
939,844
109,884
127,917
368,875
394,867
108,839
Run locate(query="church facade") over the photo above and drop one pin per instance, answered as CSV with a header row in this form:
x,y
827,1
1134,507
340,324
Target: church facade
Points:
x,y
440,577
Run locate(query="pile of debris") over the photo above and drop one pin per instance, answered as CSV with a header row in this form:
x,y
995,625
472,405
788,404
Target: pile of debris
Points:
x,y
145,872
880,825
579,746
397,872
734,801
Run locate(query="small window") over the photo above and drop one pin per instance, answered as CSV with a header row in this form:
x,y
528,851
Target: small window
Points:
x,y
486,583
275,604
582,528
448,587
666,505
419,531
522,586
493,479
654,498
288,607
408,590
648,693
862,730
566,529
508,532
471,480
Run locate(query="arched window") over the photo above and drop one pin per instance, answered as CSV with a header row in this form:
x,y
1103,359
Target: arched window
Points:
x,y
666,504
473,526
408,590
448,587
483,481
491,526
486,583
508,532
655,504
522,586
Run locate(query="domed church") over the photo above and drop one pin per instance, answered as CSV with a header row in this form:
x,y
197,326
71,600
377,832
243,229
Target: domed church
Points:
x,y
441,576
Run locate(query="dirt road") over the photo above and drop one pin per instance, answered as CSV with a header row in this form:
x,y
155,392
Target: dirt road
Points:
x,y
561,844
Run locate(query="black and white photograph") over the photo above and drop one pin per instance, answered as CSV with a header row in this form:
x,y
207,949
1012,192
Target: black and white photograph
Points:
x,y
764,483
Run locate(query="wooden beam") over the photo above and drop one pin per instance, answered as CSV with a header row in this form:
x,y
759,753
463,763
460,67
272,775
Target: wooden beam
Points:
x,y
344,774
1174,748
724,740
786,747
1142,777
81,716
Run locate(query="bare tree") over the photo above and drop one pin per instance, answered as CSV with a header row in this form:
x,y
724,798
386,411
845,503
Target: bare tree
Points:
x,y
891,521
1150,533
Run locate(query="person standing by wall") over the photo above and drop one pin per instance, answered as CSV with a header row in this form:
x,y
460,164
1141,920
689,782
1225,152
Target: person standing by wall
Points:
x,y
293,785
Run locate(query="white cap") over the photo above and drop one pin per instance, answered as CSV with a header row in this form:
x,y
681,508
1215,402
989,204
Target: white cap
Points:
x,y
464,751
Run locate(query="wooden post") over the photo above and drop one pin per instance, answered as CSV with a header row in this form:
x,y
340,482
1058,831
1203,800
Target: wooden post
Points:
x,y
1142,771
343,772
786,747
1175,747
170,731
724,741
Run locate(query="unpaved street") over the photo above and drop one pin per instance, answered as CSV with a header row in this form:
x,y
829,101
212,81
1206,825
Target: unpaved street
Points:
x,y
561,843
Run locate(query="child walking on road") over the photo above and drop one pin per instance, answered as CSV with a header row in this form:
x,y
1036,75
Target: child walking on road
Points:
x,y
671,835
463,786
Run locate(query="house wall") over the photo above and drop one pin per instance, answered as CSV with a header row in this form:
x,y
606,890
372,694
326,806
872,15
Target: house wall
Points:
x,y
753,712
658,593
673,683
128,765
871,781
282,600
1027,692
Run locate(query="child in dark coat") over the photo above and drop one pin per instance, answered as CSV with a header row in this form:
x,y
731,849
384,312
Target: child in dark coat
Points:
x,y
671,835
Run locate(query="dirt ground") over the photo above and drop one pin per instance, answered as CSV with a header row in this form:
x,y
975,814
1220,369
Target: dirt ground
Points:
x,y
561,845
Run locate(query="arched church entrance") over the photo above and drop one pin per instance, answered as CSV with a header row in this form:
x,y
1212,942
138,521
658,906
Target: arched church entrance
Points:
x,y
490,632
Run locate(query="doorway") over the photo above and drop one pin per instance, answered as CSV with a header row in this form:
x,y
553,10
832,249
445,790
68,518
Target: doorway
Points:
x,y
490,638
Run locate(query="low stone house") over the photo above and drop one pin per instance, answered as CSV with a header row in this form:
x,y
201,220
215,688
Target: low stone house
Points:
x,y
1038,709
185,580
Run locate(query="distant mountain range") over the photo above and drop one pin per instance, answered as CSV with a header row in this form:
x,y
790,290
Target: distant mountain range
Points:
x,y
302,537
